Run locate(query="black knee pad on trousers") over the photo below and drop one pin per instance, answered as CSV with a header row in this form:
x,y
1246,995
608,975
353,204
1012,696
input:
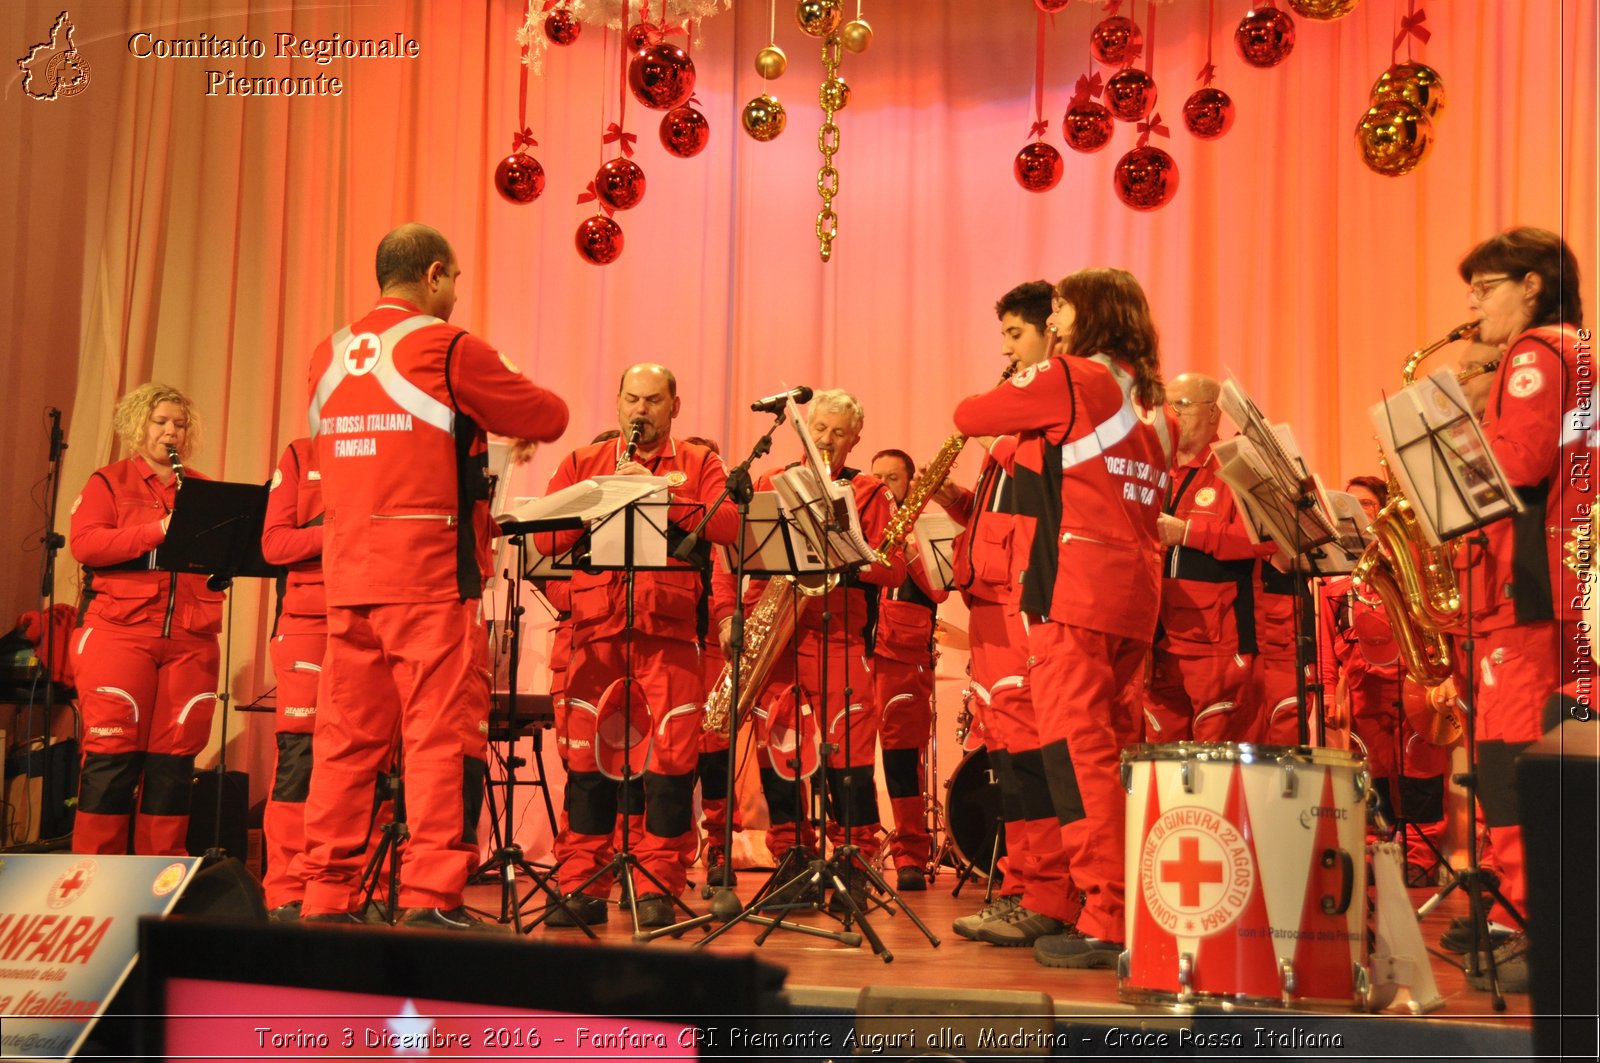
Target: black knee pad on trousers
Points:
x,y
900,772
1032,784
168,784
474,780
1005,771
630,796
593,805
853,796
108,781
1065,797
669,804
1497,781
712,769
292,779
1422,800
782,804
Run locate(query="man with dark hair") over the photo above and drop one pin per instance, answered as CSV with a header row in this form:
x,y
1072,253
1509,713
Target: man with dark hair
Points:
x,y
902,677
1037,896
658,653
400,403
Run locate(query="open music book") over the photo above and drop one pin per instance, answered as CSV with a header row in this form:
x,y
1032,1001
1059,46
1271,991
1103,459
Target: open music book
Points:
x,y
1269,478
594,504
936,534
823,510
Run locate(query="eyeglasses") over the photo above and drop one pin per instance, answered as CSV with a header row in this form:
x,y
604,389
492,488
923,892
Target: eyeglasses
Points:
x,y
1481,288
1182,405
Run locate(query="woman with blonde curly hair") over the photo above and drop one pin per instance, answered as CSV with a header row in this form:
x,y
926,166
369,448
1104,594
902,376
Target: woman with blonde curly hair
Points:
x,y
146,646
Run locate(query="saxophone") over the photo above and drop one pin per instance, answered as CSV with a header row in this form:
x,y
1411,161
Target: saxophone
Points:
x,y
771,623
1414,581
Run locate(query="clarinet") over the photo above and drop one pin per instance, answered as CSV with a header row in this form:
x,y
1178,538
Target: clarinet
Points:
x,y
634,432
177,464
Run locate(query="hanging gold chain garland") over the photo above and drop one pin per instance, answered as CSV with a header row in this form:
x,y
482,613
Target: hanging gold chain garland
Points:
x,y
833,96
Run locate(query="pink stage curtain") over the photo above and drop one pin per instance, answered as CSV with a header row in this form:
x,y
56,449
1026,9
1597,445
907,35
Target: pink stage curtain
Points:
x,y
157,231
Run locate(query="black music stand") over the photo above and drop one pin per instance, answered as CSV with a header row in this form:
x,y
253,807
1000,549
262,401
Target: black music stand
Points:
x,y
215,531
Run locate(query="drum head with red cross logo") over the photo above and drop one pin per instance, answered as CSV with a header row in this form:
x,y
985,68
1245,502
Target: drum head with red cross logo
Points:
x,y
622,731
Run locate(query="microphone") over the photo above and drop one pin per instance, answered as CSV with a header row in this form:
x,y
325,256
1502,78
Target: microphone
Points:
x,y
775,403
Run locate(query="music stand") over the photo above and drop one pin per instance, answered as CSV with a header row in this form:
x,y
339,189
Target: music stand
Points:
x,y
1435,447
215,531
936,533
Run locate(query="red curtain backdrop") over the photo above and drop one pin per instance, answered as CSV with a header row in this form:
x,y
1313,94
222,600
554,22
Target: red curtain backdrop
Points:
x,y
156,231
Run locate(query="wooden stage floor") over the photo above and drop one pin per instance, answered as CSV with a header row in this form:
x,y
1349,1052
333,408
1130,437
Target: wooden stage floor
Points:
x,y
825,979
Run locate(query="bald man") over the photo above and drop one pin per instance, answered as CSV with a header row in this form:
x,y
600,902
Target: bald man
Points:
x,y
1207,638
659,653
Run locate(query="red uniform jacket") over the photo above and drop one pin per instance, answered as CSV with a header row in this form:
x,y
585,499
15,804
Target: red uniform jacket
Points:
x,y
291,535
117,522
1207,604
872,505
1093,474
1545,442
400,403
665,602
1357,643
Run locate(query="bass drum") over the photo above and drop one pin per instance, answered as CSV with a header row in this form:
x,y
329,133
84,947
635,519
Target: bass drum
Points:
x,y
972,812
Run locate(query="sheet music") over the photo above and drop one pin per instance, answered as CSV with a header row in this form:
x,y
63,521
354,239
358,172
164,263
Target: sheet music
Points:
x,y
814,505
1436,450
772,545
936,534
1268,475
584,502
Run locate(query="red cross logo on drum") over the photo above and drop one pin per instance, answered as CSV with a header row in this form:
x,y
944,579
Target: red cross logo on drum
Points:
x,y
1190,872
71,884
361,354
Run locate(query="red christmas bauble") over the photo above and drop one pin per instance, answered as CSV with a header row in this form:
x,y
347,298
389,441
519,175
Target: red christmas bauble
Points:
x,y
640,36
519,178
1265,37
620,184
561,27
1050,7
685,132
1038,167
599,240
661,77
1116,40
1208,113
1130,94
1146,178
1087,126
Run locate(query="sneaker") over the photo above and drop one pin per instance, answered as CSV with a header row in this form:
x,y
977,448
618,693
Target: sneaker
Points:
x,y
655,909
580,907
285,913
719,872
1458,937
969,925
1076,949
336,918
910,880
1019,926
1511,964
455,919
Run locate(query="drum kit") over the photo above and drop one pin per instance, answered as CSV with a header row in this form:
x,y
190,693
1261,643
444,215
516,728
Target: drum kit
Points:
x,y
1246,871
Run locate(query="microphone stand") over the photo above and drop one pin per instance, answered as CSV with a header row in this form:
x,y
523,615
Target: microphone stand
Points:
x,y
53,542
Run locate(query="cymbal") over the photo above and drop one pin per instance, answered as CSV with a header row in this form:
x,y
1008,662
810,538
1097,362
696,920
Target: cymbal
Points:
x,y
950,636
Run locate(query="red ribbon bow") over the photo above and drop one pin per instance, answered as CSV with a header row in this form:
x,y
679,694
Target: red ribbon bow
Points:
x,y
1412,26
1086,87
591,196
548,4
1039,127
1112,6
614,134
523,138
1208,73
1152,126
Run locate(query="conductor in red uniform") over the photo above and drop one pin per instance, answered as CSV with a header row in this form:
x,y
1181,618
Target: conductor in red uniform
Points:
x,y
1092,472
660,654
400,404
145,651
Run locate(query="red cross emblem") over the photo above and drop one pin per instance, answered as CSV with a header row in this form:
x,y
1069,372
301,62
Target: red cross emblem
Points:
x,y
71,884
361,354
1190,872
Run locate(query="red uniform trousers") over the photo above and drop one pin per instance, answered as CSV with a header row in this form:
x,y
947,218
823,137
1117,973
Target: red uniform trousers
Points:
x,y
297,664
849,768
147,704
1195,698
1036,866
667,686
413,673
905,693
1273,697
1516,671
1083,683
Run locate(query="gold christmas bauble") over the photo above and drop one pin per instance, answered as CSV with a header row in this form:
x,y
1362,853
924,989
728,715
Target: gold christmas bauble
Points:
x,y
1394,136
1323,10
818,17
856,35
771,62
763,117
834,94
1413,82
